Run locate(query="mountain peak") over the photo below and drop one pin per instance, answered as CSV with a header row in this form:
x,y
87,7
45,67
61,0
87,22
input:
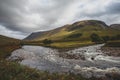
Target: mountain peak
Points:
x,y
80,24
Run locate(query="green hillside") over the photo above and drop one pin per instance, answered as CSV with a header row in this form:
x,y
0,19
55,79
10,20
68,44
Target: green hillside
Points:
x,y
78,31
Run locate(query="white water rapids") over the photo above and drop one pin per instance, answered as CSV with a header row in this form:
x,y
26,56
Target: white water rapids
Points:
x,y
95,62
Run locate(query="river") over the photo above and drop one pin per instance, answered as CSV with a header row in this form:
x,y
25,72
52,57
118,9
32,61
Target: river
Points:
x,y
88,61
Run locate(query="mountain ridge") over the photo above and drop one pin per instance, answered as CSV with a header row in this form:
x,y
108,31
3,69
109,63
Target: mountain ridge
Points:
x,y
77,27
115,26
4,40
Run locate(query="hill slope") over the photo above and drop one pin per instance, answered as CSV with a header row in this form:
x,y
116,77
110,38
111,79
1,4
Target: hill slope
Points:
x,y
115,26
77,31
7,45
7,40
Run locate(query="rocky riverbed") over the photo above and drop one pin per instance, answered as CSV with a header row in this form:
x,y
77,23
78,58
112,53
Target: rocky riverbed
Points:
x,y
111,51
88,61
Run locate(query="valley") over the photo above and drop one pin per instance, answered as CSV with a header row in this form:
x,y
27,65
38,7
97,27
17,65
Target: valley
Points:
x,y
85,50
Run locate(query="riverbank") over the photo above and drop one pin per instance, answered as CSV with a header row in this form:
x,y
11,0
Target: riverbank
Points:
x,y
112,48
15,71
113,43
61,44
88,61
66,45
5,51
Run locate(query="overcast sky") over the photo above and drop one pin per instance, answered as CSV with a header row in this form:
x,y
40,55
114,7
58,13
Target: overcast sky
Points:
x,y
18,18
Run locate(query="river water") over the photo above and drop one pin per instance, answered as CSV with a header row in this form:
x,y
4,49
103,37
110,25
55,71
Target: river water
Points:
x,y
88,61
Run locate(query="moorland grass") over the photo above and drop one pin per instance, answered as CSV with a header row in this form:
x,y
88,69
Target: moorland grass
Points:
x,y
115,43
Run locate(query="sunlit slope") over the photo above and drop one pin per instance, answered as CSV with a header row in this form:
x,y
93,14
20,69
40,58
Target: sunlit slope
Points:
x,y
77,31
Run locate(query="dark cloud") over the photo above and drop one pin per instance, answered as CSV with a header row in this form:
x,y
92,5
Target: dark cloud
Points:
x,y
15,34
26,16
10,13
113,8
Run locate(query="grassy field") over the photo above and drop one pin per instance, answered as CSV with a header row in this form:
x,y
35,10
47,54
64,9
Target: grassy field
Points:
x,y
61,44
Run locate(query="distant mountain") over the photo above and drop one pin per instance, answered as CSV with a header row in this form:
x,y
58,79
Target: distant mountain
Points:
x,y
115,26
34,35
77,31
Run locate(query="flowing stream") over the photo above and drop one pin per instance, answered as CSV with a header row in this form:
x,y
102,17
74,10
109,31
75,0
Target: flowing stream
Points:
x,y
88,61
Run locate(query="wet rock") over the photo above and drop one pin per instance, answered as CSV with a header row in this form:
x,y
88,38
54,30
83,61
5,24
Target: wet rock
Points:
x,y
92,58
77,67
21,54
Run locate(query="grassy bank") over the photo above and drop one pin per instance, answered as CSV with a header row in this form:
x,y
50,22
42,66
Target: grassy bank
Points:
x,y
5,51
113,44
61,44
15,71
70,44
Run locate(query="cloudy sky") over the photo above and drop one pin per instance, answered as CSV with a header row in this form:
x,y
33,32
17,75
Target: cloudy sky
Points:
x,y
18,18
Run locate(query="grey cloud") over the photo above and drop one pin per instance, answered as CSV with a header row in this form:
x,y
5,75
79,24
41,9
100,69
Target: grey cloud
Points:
x,y
51,14
101,11
114,8
27,16
15,14
10,12
7,32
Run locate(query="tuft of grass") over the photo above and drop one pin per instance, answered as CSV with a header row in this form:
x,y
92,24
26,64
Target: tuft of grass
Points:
x,y
15,71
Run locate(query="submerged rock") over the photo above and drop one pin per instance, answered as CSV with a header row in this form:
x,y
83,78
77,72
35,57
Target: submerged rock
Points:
x,y
77,67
